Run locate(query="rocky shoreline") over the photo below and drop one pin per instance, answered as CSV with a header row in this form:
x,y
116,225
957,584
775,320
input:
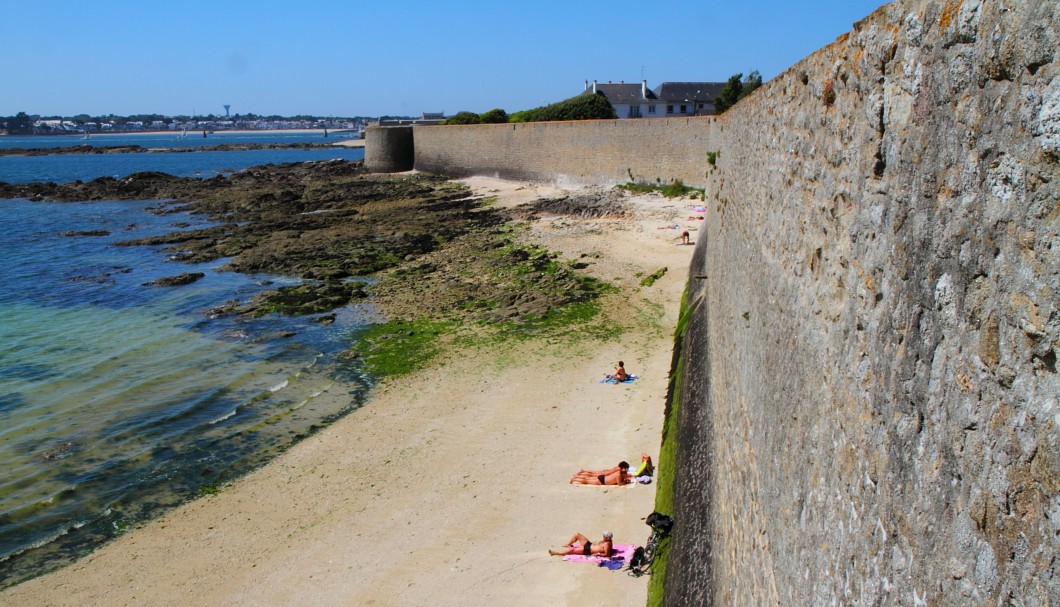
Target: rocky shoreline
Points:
x,y
431,249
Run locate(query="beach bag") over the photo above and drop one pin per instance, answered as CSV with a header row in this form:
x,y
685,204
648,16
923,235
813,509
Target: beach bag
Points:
x,y
659,522
646,468
638,563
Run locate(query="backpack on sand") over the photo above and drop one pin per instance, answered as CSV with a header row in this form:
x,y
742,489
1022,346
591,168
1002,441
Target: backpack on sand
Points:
x,y
638,563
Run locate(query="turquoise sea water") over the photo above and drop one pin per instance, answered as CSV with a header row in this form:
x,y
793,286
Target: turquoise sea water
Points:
x,y
118,399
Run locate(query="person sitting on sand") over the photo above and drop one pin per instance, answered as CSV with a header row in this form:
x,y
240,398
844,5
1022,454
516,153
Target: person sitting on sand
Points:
x,y
684,237
619,475
620,372
579,544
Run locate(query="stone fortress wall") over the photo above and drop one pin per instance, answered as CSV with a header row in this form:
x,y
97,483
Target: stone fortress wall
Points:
x,y
870,405
878,297
571,153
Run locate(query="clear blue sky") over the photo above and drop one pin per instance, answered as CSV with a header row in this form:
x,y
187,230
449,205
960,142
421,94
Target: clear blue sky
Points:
x,y
350,57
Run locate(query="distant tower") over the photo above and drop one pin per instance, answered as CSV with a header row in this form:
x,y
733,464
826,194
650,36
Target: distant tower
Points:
x,y
227,105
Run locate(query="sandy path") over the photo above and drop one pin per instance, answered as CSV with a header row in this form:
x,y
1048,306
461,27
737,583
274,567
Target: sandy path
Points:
x,y
449,486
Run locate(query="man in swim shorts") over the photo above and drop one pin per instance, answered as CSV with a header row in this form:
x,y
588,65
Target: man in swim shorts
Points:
x,y
579,544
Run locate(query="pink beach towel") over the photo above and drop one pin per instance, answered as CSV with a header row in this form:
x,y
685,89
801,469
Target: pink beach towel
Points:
x,y
619,552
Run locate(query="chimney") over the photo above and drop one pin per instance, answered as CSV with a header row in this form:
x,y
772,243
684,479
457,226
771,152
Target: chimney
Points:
x,y
586,84
594,87
643,89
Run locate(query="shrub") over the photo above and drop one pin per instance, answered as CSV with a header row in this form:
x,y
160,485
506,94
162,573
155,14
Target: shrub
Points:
x,y
674,189
828,94
494,116
464,118
524,115
586,106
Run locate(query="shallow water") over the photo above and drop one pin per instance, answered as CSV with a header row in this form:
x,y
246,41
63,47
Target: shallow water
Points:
x,y
117,399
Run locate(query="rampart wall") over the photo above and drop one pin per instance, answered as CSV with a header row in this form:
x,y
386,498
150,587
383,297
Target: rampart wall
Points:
x,y
870,405
580,152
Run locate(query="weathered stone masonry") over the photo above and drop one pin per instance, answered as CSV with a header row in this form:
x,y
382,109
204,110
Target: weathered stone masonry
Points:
x,y
871,405
583,152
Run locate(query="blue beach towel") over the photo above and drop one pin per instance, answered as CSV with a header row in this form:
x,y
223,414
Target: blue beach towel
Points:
x,y
611,380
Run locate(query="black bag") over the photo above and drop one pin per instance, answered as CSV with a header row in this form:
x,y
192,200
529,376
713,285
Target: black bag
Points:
x,y
659,522
638,563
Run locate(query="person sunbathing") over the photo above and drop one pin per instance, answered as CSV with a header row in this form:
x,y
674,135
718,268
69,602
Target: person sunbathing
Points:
x,y
619,475
579,544
620,372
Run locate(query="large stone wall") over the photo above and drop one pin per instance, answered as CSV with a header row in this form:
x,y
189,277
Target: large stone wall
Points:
x,y
871,411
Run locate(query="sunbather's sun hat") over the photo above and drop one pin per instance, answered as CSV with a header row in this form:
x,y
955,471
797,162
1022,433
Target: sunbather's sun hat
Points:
x,y
607,534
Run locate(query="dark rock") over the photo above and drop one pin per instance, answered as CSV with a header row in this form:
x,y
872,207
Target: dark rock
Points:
x,y
176,281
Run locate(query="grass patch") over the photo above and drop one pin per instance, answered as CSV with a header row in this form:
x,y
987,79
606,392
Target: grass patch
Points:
x,y
650,279
209,490
489,291
664,488
674,189
400,347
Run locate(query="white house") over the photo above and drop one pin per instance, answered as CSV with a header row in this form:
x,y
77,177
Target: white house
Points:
x,y
669,99
629,100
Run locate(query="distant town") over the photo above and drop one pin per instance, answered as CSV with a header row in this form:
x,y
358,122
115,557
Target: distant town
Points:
x,y
627,101
27,124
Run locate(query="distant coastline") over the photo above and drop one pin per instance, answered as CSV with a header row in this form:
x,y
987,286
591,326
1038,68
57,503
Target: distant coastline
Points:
x,y
98,144
77,135
138,149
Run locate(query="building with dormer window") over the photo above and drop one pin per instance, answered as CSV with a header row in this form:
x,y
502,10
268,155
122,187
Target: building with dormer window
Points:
x,y
669,99
629,100
688,98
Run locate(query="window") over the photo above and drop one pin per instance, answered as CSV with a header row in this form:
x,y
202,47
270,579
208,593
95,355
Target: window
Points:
x,y
634,111
684,109
669,109
651,109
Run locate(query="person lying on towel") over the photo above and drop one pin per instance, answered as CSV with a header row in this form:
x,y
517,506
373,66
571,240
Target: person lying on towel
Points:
x,y
619,475
579,544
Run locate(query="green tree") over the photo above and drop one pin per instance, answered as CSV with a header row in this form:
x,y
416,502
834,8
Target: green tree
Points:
x,y
586,106
464,118
736,89
494,116
20,124
750,83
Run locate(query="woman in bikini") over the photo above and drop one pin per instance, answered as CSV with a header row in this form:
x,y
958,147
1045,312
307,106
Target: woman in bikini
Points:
x,y
579,544
619,475
620,372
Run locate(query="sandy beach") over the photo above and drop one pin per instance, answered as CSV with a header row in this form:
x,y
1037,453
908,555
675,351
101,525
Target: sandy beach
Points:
x,y
451,484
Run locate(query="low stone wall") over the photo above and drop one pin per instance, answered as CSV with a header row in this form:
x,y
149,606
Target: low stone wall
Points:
x,y
872,405
571,153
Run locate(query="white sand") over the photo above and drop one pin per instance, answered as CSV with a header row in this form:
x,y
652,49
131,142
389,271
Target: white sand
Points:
x,y
449,487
